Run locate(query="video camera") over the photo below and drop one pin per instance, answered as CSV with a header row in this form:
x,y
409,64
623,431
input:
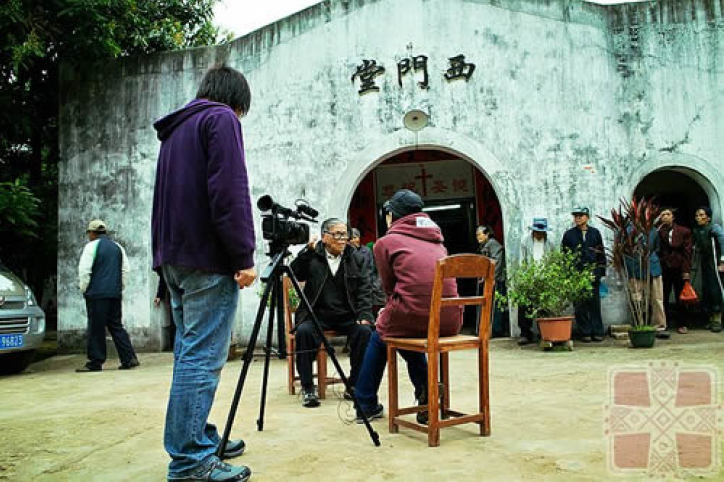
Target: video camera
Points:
x,y
278,228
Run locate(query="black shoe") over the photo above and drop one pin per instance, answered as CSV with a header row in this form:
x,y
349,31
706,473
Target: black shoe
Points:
x,y
309,398
524,340
664,335
586,339
130,365
217,471
88,368
597,339
422,417
376,412
233,448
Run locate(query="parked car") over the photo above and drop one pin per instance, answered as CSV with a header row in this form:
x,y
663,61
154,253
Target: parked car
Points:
x,y
22,323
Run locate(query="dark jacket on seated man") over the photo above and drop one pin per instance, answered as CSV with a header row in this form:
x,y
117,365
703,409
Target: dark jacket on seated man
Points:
x,y
342,301
310,266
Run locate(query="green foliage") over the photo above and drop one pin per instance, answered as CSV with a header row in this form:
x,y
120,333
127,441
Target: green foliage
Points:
x,y
35,38
550,286
294,299
18,210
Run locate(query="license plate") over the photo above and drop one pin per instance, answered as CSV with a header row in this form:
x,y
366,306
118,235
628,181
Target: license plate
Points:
x,y
11,341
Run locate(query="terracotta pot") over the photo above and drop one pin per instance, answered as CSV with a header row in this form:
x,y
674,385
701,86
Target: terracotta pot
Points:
x,y
557,328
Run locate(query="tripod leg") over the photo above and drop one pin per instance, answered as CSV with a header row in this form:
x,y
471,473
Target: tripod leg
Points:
x,y
267,351
248,358
318,328
281,327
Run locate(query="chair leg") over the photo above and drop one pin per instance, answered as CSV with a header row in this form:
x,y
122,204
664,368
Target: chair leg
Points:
x,y
445,380
322,372
433,400
483,390
291,367
392,389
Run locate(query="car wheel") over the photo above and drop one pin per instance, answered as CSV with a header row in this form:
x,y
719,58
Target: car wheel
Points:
x,y
15,362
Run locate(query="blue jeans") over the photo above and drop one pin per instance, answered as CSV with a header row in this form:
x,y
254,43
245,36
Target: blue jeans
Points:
x,y
373,367
203,306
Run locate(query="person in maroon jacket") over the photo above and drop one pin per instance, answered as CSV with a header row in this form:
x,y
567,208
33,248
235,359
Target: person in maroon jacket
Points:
x,y
675,254
405,258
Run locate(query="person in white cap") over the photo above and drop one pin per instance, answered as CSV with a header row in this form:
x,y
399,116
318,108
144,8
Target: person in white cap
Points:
x,y
532,249
103,271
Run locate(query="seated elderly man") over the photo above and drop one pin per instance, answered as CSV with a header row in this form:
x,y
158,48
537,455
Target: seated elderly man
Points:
x,y
338,288
406,258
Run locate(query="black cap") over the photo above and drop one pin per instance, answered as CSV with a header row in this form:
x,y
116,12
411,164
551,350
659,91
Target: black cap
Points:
x,y
582,210
402,203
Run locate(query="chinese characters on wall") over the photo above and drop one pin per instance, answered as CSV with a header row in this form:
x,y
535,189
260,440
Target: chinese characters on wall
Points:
x,y
369,70
451,179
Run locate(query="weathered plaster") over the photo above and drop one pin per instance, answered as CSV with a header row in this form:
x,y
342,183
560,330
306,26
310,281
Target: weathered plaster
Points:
x,y
571,104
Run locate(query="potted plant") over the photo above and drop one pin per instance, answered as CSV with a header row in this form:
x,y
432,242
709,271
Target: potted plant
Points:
x,y
547,289
633,239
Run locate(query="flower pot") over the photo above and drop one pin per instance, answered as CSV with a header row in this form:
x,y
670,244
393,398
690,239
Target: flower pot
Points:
x,y
556,328
642,339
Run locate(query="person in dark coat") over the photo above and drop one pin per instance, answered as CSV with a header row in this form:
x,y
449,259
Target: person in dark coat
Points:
x,y
202,237
103,271
406,257
490,247
587,242
378,294
709,249
675,254
337,286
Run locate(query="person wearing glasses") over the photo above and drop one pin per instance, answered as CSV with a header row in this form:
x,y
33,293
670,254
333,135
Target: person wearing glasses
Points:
x,y
337,286
587,242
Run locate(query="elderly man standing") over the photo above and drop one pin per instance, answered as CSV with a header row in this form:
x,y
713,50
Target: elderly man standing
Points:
x,y
103,272
203,242
532,249
587,242
338,287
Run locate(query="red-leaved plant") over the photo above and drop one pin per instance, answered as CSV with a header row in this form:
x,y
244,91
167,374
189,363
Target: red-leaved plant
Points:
x,y
632,224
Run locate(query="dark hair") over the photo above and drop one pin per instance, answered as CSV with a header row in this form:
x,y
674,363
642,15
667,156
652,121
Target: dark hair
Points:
x,y
328,223
668,208
227,86
356,233
486,230
706,209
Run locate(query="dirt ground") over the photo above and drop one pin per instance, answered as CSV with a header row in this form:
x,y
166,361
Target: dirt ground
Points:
x,y
547,420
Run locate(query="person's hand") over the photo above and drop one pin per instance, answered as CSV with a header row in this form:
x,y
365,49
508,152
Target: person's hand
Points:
x,y
721,267
245,277
157,301
312,242
686,276
364,322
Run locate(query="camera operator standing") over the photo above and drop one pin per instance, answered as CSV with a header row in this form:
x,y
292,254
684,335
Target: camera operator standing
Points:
x,y
203,243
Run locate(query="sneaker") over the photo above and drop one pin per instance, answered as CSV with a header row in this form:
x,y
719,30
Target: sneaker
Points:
x,y
376,412
715,327
422,417
597,339
309,398
234,448
683,330
216,471
586,339
664,335
130,365
88,368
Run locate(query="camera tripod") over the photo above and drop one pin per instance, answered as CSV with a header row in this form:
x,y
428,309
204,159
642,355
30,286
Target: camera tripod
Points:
x,y
273,298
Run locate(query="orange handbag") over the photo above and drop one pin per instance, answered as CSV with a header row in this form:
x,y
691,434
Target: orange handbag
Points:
x,y
688,295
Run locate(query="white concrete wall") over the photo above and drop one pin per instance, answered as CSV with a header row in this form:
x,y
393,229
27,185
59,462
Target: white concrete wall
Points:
x,y
570,104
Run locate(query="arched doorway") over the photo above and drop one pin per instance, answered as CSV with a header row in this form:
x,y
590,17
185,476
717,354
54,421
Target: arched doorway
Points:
x,y
458,197
676,189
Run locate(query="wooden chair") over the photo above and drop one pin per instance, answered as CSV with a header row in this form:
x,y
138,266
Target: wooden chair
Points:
x,y
438,348
292,378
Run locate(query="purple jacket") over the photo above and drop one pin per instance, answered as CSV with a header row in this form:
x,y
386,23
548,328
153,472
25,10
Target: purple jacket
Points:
x,y
202,215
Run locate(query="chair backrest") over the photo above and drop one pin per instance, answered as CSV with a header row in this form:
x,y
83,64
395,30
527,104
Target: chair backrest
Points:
x,y
288,321
462,266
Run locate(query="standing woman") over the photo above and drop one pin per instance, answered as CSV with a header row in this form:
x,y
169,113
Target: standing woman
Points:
x,y
708,244
490,247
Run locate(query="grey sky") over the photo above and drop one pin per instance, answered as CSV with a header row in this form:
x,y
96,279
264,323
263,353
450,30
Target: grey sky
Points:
x,y
244,16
